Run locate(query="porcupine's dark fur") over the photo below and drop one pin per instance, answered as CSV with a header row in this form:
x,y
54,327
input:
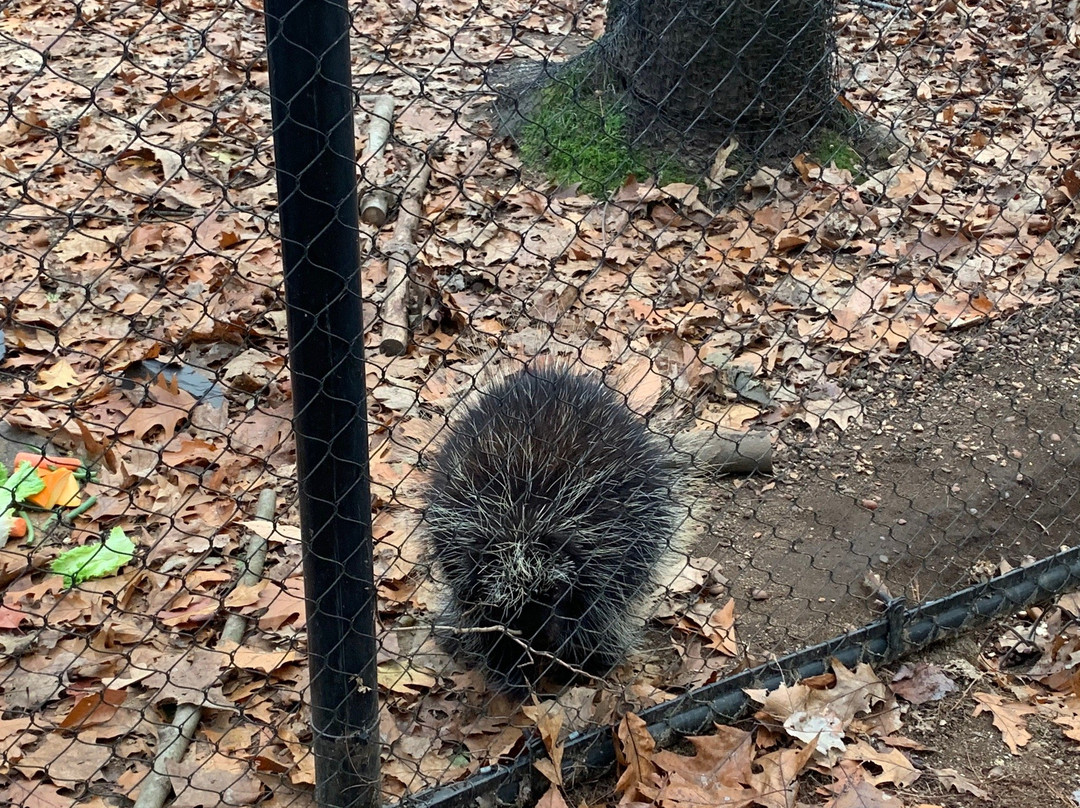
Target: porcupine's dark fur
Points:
x,y
551,512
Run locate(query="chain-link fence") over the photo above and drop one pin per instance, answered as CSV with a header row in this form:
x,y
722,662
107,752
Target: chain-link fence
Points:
x,y
708,347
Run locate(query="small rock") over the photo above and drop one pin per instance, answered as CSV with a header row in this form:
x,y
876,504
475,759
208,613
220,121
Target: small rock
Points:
x,y
869,504
917,427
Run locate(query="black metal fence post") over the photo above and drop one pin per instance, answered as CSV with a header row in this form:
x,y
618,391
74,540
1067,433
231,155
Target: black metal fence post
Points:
x,y
310,86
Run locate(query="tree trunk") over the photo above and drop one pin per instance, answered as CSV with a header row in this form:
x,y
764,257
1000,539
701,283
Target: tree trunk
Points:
x,y
709,68
687,75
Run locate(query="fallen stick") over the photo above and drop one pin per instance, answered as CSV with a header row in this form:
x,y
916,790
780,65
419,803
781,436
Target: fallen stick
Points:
x,y
399,254
726,451
375,203
174,738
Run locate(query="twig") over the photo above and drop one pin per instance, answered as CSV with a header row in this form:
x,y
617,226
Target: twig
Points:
x,y
400,252
174,738
533,652
515,636
897,7
465,630
360,98
375,204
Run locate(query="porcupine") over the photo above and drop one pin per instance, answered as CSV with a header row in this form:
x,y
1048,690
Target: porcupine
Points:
x,y
551,513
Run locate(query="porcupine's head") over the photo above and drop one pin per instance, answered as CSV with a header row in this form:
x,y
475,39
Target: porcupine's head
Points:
x,y
549,508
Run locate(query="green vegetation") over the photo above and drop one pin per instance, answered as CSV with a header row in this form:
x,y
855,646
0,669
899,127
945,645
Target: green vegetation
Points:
x,y
833,148
578,136
94,559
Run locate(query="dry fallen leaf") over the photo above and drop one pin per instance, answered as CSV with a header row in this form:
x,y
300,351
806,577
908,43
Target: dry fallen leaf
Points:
x,y
549,717
841,411
217,780
1008,718
400,677
60,376
953,779
863,794
895,766
265,661
720,772
35,794
552,798
921,682
67,762
777,784
634,749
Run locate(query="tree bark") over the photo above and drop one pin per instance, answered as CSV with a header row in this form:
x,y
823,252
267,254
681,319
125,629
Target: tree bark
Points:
x,y
720,67
690,74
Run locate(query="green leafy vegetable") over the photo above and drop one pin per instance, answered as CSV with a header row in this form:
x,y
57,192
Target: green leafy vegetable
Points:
x,y
95,560
22,484
15,488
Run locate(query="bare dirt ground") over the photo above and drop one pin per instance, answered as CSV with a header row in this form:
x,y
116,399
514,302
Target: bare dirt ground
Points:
x,y
948,474
1046,773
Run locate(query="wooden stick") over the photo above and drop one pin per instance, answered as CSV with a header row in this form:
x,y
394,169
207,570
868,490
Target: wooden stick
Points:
x,y
375,204
174,738
399,253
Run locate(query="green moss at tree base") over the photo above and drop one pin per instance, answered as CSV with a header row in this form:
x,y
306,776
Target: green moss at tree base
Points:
x,y
833,148
577,130
577,135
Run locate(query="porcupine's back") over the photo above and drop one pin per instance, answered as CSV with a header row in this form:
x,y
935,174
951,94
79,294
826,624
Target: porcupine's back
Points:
x,y
550,511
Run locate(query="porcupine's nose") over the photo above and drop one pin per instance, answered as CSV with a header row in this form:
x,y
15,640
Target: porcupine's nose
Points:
x,y
538,624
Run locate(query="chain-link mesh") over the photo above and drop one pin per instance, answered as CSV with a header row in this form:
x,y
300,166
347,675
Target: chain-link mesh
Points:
x,y
844,320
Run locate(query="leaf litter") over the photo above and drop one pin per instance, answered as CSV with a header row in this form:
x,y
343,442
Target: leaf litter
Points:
x,y
140,263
